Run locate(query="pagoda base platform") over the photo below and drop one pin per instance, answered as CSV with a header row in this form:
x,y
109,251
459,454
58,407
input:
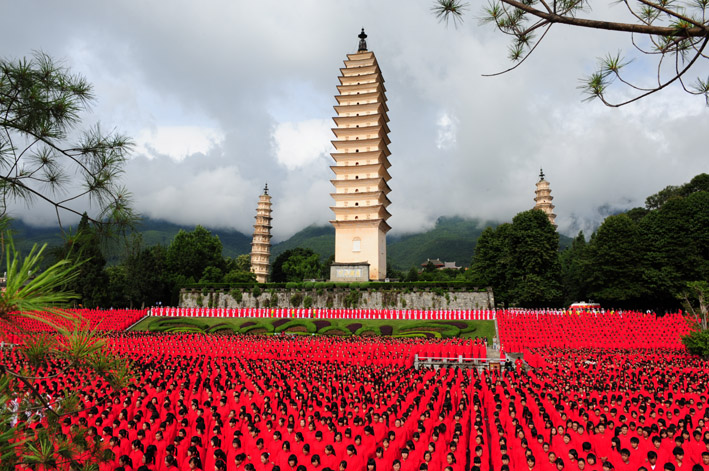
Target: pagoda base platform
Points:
x,y
349,272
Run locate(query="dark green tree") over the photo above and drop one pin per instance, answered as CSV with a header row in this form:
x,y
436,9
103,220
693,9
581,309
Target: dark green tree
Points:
x,y
616,263
191,252
573,273
661,197
212,275
238,276
91,285
534,271
696,303
676,246
698,183
296,265
412,275
520,261
147,278
117,291
492,260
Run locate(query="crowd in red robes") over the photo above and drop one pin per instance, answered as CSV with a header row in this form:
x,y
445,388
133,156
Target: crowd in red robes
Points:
x,y
585,401
327,313
255,402
593,409
522,330
359,350
102,320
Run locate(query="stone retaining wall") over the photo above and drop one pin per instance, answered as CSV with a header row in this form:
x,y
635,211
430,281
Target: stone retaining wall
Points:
x,y
339,298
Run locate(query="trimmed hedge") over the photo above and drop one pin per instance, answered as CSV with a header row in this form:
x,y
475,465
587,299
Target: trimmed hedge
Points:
x,y
308,324
365,328
267,326
445,330
414,335
326,330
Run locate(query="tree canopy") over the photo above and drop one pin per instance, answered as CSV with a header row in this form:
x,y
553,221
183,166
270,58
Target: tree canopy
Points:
x,y
296,264
520,261
191,253
41,104
646,256
674,33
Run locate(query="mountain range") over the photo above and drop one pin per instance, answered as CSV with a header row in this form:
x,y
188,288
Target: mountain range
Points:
x,y
452,239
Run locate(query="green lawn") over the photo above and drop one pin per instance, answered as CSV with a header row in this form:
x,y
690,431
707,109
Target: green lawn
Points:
x,y
342,327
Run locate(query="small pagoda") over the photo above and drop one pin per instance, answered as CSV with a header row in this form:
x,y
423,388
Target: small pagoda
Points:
x,y
261,243
361,176
544,198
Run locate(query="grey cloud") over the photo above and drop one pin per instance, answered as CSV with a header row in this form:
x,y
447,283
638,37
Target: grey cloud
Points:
x,y
240,67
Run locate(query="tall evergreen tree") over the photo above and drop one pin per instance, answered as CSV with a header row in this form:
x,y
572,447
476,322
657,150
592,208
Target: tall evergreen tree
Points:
x,y
190,253
534,253
491,262
573,274
520,261
616,264
92,282
296,265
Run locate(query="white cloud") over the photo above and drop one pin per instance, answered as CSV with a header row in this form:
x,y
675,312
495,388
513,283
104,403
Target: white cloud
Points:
x,y
298,144
177,142
447,131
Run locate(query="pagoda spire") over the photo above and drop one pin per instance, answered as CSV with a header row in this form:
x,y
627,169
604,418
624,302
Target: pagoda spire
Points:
x,y
361,162
261,242
362,41
543,198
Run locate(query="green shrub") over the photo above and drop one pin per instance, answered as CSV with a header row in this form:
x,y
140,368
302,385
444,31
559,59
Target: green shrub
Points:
x,y
291,285
440,328
256,292
237,295
330,328
365,328
697,343
199,300
265,325
352,299
329,302
205,291
296,299
274,299
309,285
308,302
308,324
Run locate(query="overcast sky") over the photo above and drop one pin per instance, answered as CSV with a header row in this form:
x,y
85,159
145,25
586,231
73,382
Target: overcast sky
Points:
x,y
221,96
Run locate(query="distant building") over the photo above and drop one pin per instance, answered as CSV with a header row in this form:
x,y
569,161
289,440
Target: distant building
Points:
x,y
261,243
544,198
440,265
